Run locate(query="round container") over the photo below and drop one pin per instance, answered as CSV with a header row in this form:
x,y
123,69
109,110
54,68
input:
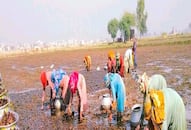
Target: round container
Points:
x,y
136,114
105,67
106,101
98,68
57,104
5,107
12,125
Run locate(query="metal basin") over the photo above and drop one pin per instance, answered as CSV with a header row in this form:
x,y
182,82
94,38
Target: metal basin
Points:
x,y
136,114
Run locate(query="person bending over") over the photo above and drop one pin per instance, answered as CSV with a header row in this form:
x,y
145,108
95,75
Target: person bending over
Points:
x,y
115,84
77,84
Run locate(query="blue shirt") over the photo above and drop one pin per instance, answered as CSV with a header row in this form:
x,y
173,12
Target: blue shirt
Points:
x,y
118,91
56,78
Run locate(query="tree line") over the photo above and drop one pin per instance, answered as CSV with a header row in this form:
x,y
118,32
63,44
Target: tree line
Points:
x,y
127,21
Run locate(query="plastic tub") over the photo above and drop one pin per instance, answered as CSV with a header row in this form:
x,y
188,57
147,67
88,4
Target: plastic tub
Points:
x,y
106,101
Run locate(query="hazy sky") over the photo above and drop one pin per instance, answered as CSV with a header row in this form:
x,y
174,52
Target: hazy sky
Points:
x,y
53,20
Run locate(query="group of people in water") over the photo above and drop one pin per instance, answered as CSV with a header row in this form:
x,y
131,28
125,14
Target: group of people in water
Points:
x,y
120,64
75,83
155,109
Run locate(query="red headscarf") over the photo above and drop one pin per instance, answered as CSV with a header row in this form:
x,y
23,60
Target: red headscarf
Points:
x,y
73,81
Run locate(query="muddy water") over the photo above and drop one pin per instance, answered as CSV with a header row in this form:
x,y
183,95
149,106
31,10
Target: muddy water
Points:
x,y
21,77
28,102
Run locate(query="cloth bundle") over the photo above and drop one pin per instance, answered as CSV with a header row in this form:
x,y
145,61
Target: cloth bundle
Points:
x,y
155,107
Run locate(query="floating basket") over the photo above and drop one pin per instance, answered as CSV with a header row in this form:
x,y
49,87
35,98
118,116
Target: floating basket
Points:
x,y
5,107
13,124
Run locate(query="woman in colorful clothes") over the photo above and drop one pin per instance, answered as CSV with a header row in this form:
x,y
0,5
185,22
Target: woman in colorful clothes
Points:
x,y
119,64
77,84
45,78
163,107
111,62
87,62
115,84
56,77
60,80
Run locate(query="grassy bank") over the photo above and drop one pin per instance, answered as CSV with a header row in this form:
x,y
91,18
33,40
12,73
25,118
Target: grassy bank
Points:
x,y
162,40
180,39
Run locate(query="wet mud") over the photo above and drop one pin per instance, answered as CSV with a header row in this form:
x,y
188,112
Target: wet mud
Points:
x,y
21,79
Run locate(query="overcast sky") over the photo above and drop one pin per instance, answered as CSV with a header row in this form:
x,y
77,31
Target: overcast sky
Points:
x,y
53,20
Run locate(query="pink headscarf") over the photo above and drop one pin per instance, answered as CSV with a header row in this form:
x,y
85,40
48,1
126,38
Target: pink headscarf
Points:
x,y
73,81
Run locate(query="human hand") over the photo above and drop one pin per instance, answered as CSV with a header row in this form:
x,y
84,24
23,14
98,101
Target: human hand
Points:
x,y
114,105
69,111
81,116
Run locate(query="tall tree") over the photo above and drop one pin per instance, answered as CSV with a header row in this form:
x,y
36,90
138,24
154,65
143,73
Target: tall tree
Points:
x,y
112,28
141,17
125,24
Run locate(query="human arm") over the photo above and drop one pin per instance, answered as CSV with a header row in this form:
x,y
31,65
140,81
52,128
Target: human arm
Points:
x,y
82,94
90,61
51,84
64,85
113,91
81,86
70,104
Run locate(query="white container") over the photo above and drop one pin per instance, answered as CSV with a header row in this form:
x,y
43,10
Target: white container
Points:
x,y
106,101
57,104
98,68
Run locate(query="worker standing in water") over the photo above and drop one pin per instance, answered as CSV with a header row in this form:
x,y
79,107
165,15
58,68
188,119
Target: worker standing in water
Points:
x,y
87,62
115,84
45,78
119,64
111,62
77,84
